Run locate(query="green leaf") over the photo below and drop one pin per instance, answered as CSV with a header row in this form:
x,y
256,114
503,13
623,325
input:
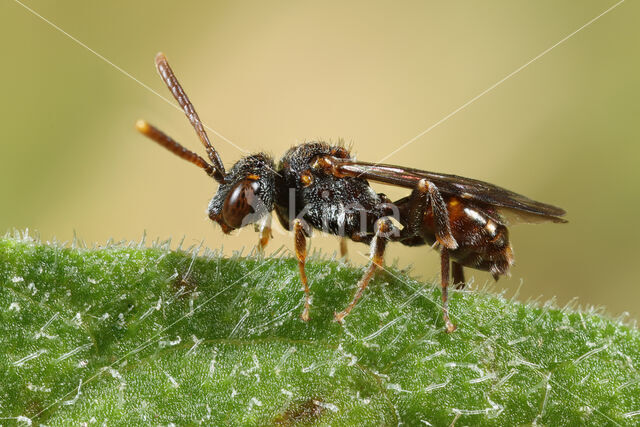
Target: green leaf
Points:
x,y
126,334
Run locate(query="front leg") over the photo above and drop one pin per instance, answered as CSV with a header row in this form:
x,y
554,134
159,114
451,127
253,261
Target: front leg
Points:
x,y
384,229
343,247
301,254
265,233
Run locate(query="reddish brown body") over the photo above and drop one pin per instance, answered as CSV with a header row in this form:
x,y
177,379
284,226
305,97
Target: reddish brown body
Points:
x,y
483,240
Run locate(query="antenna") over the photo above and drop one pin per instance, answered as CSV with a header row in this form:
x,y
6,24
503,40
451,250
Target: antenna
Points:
x,y
179,94
172,145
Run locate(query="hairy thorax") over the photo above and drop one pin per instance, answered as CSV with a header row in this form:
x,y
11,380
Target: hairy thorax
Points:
x,y
342,206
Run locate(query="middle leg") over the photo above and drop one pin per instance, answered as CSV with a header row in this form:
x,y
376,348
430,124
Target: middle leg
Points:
x,y
378,244
301,254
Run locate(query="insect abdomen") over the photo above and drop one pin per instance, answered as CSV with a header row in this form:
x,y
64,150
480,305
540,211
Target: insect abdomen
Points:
x,y
483,242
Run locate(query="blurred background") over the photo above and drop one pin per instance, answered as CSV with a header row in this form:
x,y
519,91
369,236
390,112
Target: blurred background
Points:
x,y
267,75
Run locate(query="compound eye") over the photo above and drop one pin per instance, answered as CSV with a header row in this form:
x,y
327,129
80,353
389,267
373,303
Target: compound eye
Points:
x,y
239,203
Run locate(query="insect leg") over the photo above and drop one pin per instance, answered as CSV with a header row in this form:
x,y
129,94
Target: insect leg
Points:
x,y
458,275
440,214
301,254
426,193
378,244
343,247
265,232
444,282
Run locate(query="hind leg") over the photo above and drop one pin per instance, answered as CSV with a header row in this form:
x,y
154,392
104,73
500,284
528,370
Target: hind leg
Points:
x,y
444,283
457,272
427,196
